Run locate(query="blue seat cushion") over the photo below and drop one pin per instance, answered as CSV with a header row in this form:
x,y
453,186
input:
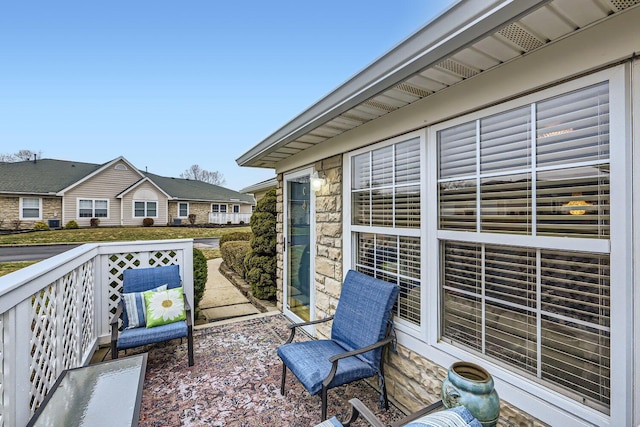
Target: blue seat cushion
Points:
x,y
136,337
309,362
454,417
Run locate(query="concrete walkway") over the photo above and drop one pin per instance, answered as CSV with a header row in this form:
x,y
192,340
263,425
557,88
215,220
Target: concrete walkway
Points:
x,y
221,299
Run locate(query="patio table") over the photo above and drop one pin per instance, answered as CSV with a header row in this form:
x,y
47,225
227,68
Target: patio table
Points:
x,y
103,394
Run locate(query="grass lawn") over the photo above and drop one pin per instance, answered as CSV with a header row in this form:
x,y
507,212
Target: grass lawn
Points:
x,y
105,234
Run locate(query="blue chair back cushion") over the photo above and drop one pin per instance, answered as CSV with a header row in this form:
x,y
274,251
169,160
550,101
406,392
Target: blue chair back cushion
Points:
x,y
363,313
143,279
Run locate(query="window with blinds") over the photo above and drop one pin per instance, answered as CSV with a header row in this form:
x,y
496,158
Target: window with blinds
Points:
x,y
385,194
394,259
538,170
385,186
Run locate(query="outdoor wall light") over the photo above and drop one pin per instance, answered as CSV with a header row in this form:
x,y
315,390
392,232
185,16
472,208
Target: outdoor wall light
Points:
x,y
317,181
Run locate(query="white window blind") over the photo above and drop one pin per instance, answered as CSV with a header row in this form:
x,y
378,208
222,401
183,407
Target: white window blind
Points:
x,y
385,193
385,186
396,260
543,312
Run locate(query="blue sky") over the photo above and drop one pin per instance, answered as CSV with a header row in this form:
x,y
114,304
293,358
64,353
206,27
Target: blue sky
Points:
x,y
169,84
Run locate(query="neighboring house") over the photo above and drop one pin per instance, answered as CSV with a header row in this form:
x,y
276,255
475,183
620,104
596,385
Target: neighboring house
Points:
x,y
259,190
488,165
117,193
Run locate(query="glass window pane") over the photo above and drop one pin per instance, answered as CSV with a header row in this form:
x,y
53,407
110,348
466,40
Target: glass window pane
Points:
x,y
361,171
506,204
408,162
511,336
457,202
505,141
183,209
574,202
361,208
139,209
457,151
382,167
215,208
152,209
382,207
574,127
407,207
223,208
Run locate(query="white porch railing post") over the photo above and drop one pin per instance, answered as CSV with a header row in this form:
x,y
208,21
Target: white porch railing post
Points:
x,y
19,359
101,296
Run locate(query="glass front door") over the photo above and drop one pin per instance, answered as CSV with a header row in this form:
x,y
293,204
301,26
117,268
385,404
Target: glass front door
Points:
x,y
298,247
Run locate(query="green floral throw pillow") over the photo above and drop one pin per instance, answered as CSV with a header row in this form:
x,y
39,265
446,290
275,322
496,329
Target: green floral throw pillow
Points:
x,y
164,307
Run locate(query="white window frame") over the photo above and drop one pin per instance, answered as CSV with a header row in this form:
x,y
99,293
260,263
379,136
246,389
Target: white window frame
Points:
x,y
532,397
235,208
22,207
93,207
146,208
187,206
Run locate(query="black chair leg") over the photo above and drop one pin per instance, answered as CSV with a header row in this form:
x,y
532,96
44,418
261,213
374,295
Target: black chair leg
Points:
x,y
190,346
114,350
324,404
383,389
284,376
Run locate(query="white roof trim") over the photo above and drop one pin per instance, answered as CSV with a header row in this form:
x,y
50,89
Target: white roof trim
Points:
x,y
91,175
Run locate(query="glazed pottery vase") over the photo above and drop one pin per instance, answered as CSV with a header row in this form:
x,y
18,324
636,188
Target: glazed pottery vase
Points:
x,y
472,386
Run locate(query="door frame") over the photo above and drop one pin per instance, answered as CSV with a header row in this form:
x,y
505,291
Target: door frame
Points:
x,y
312,247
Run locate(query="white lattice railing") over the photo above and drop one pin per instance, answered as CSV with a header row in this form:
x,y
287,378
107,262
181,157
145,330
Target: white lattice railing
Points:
x,y
54,314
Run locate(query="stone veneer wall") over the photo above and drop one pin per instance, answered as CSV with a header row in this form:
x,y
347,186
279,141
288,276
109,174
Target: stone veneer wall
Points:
x,y
10,212
412,381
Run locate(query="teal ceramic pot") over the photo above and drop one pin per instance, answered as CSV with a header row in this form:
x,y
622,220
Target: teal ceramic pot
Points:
x,y
472,386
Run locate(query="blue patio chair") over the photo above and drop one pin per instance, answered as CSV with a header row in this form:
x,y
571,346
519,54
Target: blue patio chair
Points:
x,y
360,331
140,280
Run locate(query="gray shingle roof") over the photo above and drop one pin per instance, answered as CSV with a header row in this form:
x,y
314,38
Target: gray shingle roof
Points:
x,y
187,189
47,176
43,176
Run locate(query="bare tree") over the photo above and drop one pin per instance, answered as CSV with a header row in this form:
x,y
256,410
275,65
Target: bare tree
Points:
x,y
195,172
19,156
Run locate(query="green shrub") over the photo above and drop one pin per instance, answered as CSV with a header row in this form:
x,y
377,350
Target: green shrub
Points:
x,y
200,272
94,222
233,253
71,225
40,225
236,235
260,262
260,273
147,222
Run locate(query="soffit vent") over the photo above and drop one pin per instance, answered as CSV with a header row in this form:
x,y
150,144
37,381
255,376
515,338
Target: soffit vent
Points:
x,y
520,37
457,68
380,105
622,4
413,90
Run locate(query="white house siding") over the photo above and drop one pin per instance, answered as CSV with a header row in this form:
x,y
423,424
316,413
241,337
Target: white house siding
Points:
x,y
145,192
105,185
416,371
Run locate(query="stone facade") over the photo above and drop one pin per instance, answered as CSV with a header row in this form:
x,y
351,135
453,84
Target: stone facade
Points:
x,y
412,380
10,211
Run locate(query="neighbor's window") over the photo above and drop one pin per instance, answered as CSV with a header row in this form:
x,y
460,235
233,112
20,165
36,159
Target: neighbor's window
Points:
x,y
535,304
145,209
30,208
92,208
183,210
385,219
236,208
